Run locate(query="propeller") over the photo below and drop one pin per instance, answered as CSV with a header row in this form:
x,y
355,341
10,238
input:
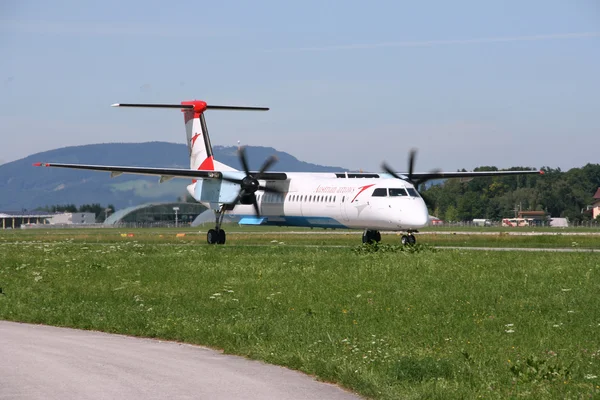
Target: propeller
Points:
x,y
249,184
410,177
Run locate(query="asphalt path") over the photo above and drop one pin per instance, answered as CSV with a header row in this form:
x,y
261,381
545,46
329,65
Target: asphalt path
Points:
x,y
44,362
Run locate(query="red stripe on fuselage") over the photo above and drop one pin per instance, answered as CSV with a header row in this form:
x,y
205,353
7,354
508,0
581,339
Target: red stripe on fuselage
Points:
x,y
362,190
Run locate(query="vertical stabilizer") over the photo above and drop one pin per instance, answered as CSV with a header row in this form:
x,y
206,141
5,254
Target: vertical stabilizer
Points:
x,y
198,141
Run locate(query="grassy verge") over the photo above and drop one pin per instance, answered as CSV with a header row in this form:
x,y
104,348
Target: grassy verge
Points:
x,y
424,324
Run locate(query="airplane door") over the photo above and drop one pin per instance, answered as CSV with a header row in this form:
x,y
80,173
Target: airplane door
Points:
x,y
345,200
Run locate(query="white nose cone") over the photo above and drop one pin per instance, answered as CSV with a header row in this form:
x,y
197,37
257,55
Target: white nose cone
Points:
x,y
418,217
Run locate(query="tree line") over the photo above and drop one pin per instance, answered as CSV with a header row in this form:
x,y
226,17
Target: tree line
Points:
x,y
558,193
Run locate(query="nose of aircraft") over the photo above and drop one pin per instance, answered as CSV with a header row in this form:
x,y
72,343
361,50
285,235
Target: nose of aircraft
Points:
x,y
416,216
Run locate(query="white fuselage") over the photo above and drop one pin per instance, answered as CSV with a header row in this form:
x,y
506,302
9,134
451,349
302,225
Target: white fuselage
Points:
x,y
325,200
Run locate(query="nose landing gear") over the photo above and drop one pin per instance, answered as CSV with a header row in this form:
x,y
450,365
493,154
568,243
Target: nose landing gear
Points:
x,y
409,239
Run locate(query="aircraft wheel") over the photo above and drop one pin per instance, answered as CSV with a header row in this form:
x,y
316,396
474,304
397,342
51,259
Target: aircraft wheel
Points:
x,y
221,237
404,240
377,236
212,236
412,240
370,236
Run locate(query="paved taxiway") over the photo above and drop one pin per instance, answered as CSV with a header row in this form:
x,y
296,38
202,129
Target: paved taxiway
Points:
x,y
43,362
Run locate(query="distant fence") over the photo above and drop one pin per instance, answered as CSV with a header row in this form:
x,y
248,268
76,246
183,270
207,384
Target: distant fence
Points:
x,y
575,224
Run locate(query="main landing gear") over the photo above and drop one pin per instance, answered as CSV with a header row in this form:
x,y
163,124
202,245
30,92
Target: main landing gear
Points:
x,y
217,235
370,236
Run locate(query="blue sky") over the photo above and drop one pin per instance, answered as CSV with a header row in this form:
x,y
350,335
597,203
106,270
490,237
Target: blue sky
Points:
x,y
467,83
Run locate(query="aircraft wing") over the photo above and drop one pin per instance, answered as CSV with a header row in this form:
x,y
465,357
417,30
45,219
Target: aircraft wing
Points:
x,y
425,176
164,173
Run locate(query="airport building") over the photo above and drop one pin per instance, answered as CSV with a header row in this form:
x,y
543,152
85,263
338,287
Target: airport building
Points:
x,y
69,218
14,219
156,214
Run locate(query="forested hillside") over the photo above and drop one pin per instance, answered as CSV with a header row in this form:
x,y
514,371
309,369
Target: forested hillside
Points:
x,y
560,194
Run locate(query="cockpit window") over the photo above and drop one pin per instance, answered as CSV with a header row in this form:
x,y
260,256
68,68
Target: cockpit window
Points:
x,y
380,192
394,192
412,192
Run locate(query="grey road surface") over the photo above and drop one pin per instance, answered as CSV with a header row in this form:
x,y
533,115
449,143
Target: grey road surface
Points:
x,y
43,362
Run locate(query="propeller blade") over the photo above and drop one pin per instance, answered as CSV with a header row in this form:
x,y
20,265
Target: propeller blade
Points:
x,y
411,164
421,181
255,204
267,164
390,171
242,154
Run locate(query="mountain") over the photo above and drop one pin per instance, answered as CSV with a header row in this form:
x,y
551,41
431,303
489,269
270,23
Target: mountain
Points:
x,y
23,186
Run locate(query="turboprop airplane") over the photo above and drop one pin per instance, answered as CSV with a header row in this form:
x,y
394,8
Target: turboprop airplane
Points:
x,y
373,202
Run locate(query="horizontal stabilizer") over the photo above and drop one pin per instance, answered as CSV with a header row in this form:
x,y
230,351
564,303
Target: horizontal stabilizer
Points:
x,y
191,107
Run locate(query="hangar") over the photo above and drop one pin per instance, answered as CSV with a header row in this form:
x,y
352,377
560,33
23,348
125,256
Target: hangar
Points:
x,y
14,219
156,214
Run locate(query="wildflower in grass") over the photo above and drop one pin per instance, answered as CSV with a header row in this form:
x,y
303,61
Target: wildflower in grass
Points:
x,y
344,311
590,376
509,331
566,290
509,325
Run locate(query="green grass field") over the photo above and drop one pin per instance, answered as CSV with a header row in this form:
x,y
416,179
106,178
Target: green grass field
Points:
x,y
387,324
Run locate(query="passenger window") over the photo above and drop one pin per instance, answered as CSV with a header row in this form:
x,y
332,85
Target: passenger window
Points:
x,y
380,192
396,192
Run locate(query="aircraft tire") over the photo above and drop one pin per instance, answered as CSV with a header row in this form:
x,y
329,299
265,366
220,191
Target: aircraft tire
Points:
x,y
221,237
366,237
377,236
212,237
412,240
404,240
370,236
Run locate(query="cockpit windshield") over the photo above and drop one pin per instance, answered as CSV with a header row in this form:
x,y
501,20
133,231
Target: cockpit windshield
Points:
x,y
412,192
380,192
397,192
